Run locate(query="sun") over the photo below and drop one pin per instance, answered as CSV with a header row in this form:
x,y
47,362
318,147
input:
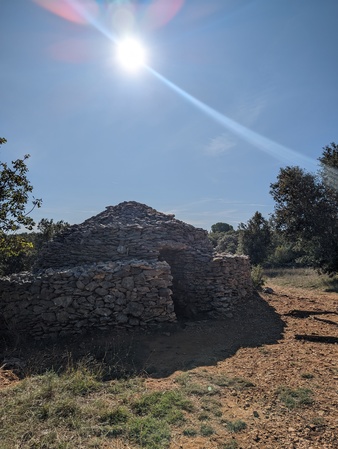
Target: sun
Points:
x,y
131,54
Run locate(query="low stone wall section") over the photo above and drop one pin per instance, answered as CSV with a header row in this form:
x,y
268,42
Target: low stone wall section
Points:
x,y
230,283
58,302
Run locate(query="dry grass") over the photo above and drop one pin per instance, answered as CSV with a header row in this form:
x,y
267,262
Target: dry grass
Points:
x,y
305,278
77,409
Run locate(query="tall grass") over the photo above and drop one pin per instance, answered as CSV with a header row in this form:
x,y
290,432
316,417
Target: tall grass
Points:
x,y
306,278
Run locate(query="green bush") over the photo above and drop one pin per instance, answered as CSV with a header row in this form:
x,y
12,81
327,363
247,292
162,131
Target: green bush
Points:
x,y
257,277
295,398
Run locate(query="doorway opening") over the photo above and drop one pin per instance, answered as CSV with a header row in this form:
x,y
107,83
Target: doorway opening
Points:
x,y
179,265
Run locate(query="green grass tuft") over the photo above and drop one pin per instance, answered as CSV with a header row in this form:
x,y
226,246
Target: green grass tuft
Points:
x,y
236,426
189,432
230,444
295,398
206,430
148,432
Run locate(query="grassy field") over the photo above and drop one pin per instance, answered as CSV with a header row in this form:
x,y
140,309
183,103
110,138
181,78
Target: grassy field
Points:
x,y
78,410
306,278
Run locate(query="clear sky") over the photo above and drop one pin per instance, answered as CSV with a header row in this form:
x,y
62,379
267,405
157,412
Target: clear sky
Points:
x,y
232,91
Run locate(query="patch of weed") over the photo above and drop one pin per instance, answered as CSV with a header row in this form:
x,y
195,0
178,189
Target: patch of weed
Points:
x,y
318,421
206,430
189,432
118,415
203,417
236,426
204,387
183,379
198,389
295,398
211,405
230,444
167,405
238,383
82,379
148,432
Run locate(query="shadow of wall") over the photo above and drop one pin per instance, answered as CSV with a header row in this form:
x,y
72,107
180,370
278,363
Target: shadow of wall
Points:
x,y
162,351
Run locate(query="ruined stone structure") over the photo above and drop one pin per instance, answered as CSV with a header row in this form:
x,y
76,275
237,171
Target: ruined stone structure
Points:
x,y
128,266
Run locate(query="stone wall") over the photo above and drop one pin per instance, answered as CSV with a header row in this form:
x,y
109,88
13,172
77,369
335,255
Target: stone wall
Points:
x,y
129,265
59,302
124,293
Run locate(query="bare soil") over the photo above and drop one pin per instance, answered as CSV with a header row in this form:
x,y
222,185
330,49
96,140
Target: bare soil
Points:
x,y
266,342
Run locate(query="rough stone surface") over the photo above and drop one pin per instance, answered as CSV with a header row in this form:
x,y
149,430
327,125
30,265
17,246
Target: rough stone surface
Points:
x,y
128,266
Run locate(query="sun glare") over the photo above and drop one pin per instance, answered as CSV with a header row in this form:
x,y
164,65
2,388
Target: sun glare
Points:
x,y
131,54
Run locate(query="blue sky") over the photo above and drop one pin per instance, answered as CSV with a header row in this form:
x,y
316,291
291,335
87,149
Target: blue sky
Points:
x,y
234,90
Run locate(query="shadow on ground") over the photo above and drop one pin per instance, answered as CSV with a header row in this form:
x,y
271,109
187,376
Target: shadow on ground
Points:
x,y
157,353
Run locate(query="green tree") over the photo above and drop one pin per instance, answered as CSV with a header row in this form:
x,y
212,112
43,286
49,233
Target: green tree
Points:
x,y
15,190
306,211
283,253
218,231
25,247
255,238
221,227
48,229
329,168
228,242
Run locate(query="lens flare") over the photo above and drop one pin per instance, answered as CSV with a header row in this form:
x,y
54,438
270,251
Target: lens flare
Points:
x,y
270,147
68,9
160,12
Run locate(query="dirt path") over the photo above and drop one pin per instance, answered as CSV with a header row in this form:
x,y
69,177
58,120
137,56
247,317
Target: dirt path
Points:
x,y
285,363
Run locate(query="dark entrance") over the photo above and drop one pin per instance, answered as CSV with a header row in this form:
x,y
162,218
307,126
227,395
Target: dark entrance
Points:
x,y
178,263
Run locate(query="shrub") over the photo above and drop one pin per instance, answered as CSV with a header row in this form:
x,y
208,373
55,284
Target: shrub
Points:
x,y
257,277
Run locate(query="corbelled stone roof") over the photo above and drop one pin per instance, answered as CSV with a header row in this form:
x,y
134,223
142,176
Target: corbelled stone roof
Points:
x,y
129,230
127,213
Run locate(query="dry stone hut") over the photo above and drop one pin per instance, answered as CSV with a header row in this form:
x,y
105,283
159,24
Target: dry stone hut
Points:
x,y
127,266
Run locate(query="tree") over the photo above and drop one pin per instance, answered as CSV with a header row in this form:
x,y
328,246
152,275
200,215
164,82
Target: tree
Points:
x,y
282,253
255,238
48,229
15,190
25,247
306,211
218,231
329,168
221,227
228,242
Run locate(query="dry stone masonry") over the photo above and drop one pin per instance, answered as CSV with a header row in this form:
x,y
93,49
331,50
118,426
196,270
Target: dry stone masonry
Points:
x,y
128,266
